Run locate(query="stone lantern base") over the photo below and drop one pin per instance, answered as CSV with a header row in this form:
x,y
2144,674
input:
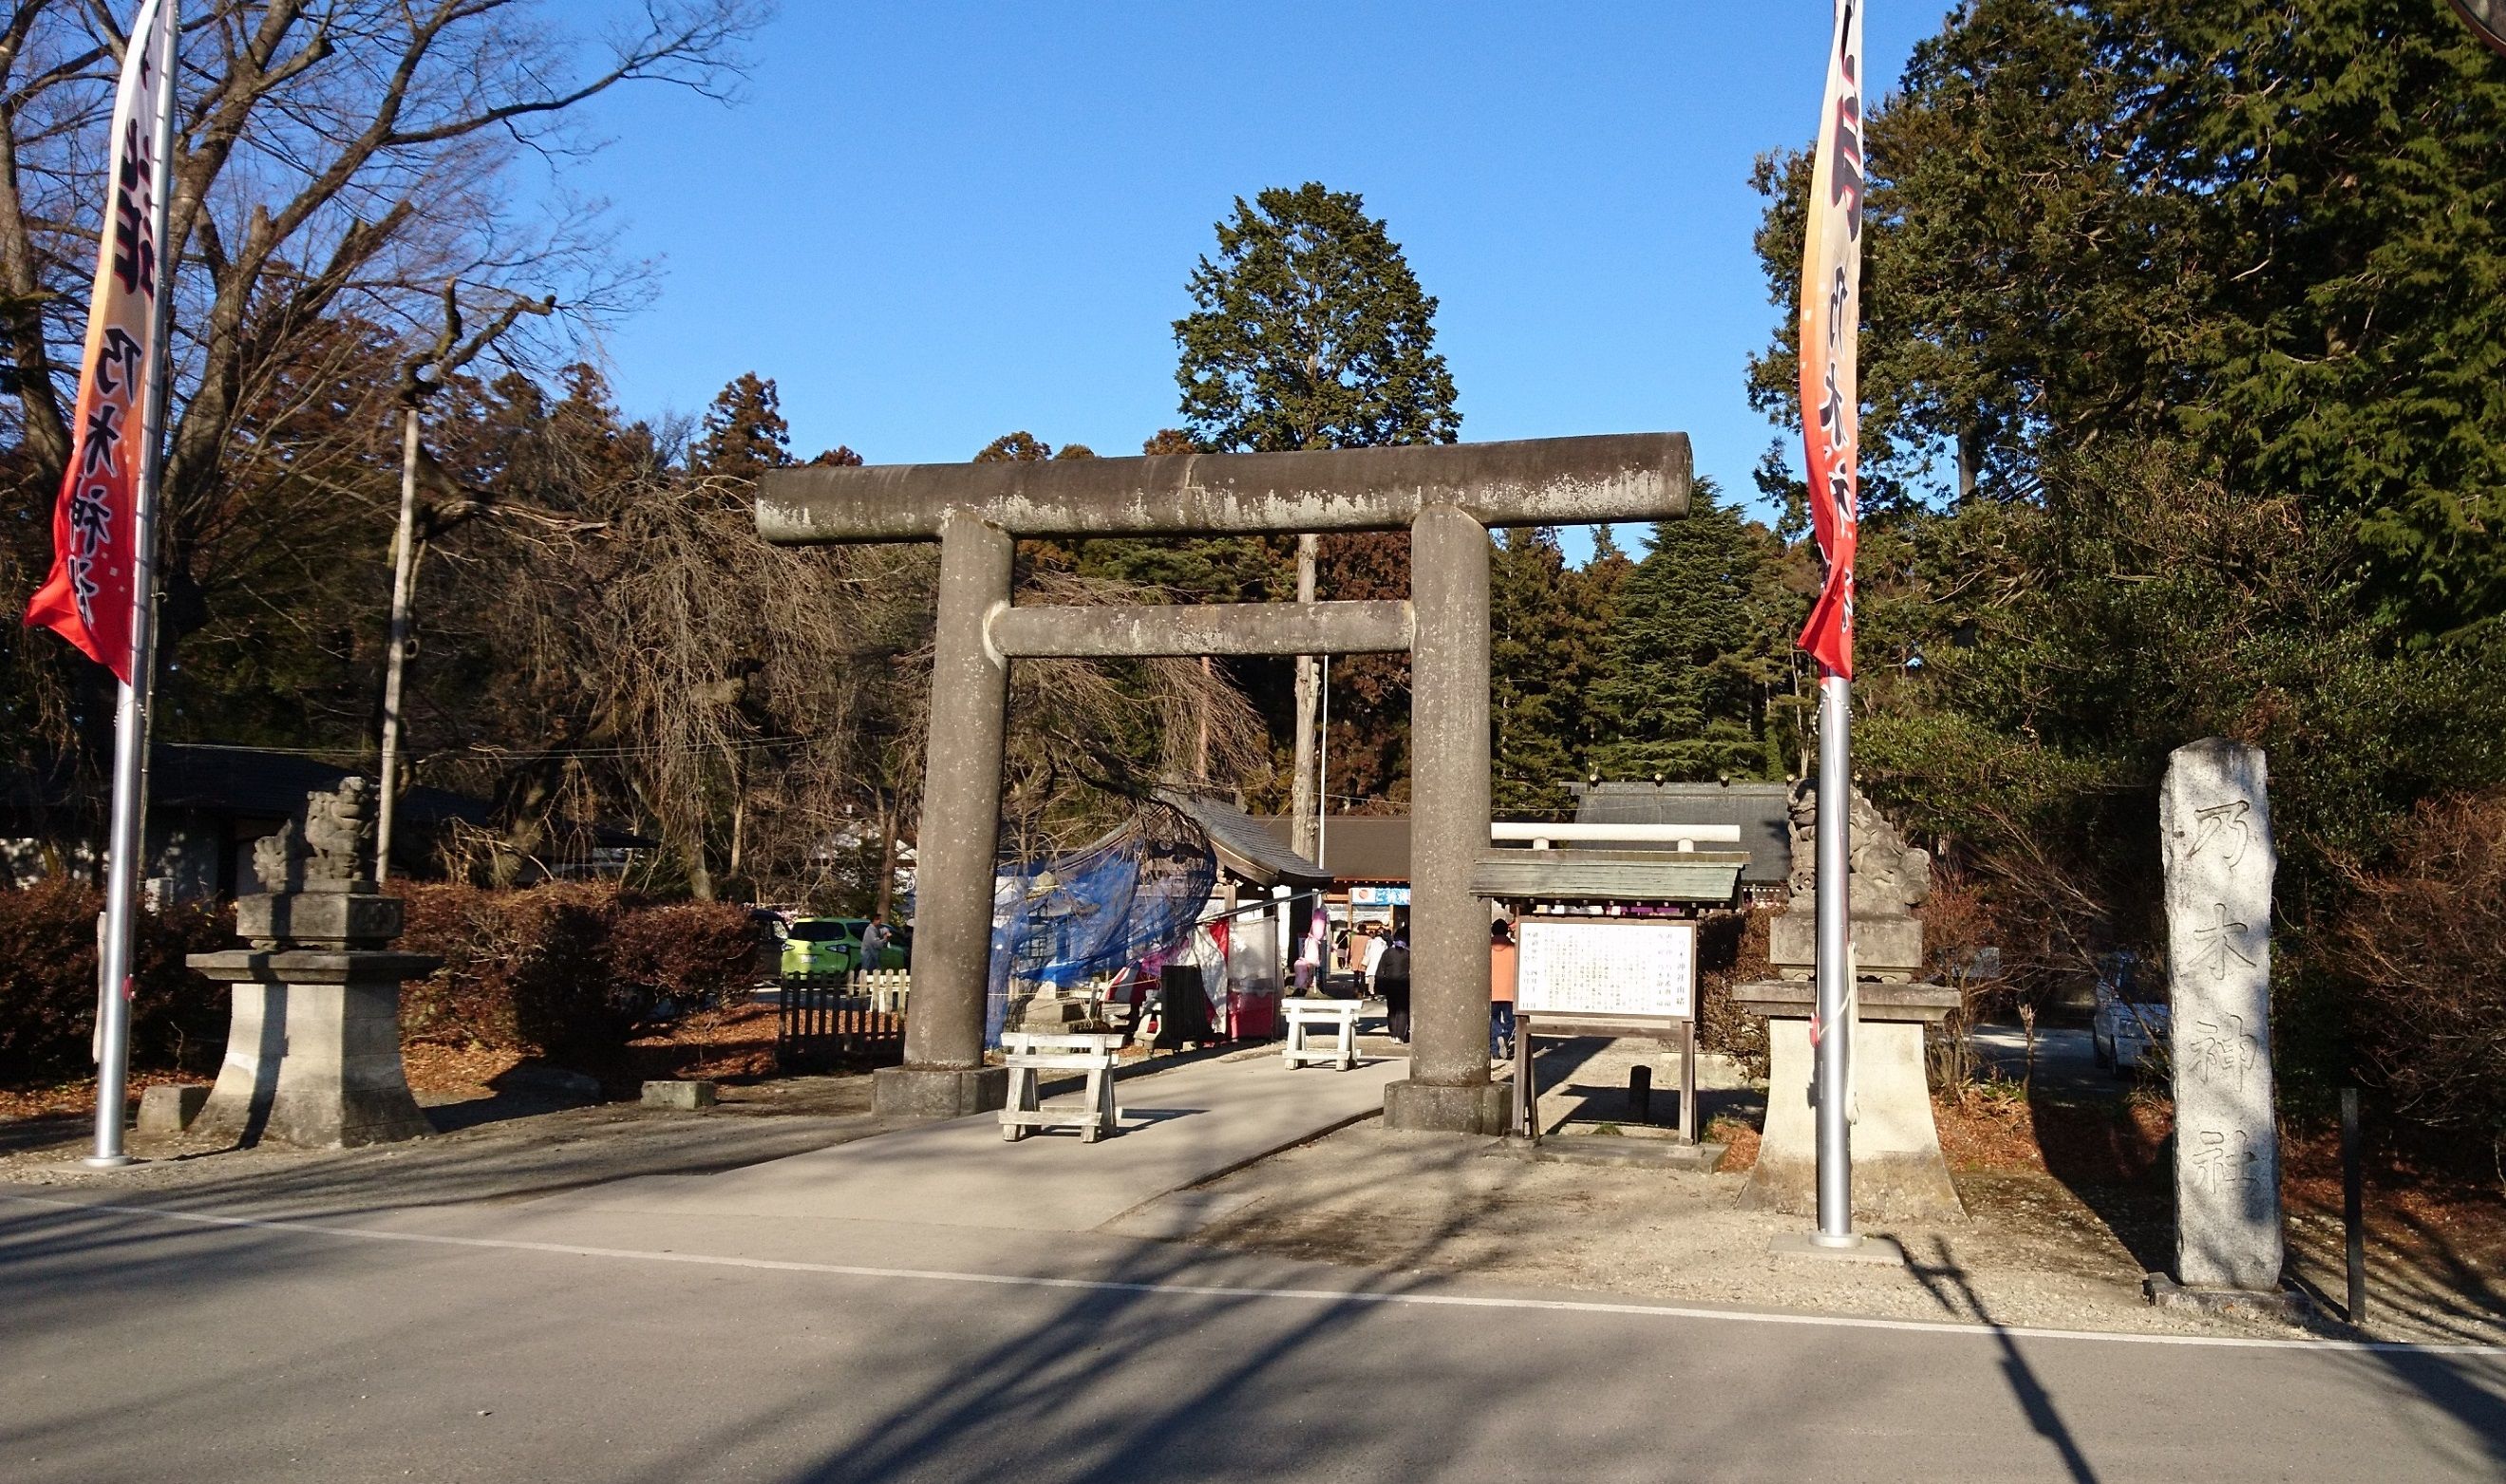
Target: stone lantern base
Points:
x,y
1898,1172
313,1053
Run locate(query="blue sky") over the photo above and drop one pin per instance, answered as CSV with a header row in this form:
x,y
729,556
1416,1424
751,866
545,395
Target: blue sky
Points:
x,y
933,224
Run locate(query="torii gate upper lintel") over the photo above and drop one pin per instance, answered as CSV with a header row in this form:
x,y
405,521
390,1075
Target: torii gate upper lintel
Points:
x,y
1448,495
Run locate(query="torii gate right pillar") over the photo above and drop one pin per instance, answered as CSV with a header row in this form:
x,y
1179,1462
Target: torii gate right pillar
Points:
x,y
1449,1088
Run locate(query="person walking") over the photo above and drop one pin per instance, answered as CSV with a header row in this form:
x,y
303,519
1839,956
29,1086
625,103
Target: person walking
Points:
x,y
1392,981
874,940
1376,943
1315,952
1504,967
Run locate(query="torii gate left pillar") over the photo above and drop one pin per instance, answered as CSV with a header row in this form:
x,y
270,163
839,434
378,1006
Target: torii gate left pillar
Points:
x,y
1449,497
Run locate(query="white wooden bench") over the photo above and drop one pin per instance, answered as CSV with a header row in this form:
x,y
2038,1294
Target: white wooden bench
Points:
x,y
1304,1015
1028,1052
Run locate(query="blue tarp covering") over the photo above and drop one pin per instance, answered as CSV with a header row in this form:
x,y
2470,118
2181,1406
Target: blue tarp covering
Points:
x,y
1130,896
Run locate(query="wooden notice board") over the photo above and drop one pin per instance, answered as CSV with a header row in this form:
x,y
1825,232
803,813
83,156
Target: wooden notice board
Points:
x,y
1616,967
1605,976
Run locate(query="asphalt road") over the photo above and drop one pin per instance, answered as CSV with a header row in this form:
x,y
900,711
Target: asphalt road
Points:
x,y
543,1340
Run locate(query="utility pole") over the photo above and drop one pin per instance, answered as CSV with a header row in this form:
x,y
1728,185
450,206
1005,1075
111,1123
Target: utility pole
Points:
x,y
420,379
1302,794
1322,771
1200,754
404,578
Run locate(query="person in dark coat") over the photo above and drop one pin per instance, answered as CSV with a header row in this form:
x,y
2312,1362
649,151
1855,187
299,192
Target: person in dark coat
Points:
x,y
1392,982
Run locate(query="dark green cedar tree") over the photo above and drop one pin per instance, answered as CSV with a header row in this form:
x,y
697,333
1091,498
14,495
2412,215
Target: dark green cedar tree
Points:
x,y
1309,331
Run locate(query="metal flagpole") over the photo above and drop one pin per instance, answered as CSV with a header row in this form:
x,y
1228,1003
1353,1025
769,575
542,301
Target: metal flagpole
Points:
x,y
1830,322
128,842
1834,1025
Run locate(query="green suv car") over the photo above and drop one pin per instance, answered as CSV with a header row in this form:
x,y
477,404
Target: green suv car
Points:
x,y
833,945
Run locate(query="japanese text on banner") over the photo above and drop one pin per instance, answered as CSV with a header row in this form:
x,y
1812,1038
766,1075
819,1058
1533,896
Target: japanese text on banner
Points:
x,y
91,597
1830,317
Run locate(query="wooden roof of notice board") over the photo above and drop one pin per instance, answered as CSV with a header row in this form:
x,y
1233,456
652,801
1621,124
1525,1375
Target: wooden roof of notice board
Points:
x,y
1609,875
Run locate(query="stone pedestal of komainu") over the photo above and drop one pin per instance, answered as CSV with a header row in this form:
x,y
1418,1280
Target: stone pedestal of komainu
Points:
x,y
313,1044
1898,1169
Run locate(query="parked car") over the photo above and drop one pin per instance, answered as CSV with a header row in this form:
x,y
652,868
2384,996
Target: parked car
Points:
x,y
821,945
2131,1018
833,946
773,928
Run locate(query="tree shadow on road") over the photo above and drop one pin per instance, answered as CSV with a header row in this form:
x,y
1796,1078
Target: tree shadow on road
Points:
x,y
1246,1397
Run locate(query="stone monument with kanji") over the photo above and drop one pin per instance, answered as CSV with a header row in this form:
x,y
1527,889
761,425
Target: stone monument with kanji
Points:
x,y
2215,840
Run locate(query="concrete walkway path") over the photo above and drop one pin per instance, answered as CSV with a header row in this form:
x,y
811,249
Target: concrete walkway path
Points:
x,y
1180,1127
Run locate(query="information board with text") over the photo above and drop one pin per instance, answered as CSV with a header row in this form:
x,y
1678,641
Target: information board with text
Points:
x,y
1607,967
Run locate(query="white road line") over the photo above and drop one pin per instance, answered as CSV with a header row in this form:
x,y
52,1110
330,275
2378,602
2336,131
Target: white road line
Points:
x,y
1296,1295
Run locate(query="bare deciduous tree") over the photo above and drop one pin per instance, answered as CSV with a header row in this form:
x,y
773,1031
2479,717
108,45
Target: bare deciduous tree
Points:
x,y
336,164
760,709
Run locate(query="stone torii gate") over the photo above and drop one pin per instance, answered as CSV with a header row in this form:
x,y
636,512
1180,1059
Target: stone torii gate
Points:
x,y
1448,496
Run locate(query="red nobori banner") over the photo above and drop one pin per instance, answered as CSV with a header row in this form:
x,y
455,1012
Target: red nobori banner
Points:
x,y
1831,318
91,597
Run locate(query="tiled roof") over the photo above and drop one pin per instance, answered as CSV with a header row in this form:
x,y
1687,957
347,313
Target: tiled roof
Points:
x,y
1243,846
1358,847
1760,810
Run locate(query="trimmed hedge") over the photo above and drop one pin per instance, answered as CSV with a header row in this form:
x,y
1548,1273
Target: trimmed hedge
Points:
x,y
48,983
571,970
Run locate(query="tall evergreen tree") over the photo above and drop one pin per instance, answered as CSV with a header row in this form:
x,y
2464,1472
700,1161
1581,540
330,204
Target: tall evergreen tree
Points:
x,y
1538,654
2270,242
1309,331
1692,651
1592,618
745,433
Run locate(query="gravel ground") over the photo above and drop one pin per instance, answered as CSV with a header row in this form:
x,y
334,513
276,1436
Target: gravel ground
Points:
x,y
2032,1255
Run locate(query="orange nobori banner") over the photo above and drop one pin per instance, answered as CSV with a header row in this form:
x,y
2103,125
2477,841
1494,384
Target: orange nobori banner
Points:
x,y
1831,319
93,596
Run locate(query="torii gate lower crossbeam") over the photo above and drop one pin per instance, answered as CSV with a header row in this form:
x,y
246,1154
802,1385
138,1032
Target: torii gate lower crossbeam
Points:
x,y
1448,496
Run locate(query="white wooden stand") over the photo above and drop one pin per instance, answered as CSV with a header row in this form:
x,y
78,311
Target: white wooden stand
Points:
x,y
1304,1015
1030,1052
